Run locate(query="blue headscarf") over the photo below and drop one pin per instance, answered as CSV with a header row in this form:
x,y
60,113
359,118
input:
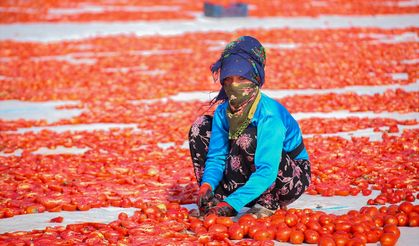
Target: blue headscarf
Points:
x,y
243,57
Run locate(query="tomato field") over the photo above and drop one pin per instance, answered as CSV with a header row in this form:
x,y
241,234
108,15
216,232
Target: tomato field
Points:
x,y
101,122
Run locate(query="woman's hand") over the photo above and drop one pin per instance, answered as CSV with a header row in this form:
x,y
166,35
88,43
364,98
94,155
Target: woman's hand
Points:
x,y
223,209
205,195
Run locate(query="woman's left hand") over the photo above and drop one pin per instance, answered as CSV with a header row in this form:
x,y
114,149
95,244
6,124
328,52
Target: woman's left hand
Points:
x,y
223,209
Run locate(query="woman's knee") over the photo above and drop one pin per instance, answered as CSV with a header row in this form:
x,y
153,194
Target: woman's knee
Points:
x,y
200,126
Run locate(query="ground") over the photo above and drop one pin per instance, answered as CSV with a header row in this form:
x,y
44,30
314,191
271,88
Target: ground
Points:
x,y
95,106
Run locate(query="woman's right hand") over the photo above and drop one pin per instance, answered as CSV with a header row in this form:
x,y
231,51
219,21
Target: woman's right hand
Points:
x,y
205,195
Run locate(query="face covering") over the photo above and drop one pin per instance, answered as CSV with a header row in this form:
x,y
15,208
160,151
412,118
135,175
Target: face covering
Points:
x,y
242,99
239,94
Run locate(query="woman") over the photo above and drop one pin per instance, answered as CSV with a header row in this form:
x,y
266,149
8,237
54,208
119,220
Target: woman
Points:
x,y
251,152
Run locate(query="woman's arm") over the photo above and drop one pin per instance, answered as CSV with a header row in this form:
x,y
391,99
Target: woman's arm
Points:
x,y
270,138
217,150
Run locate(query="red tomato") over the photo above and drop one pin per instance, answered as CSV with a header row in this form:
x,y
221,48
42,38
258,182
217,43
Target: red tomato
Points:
x,y
371,211
235,232
393,229
326,241
173,205
412,214
296,237
410,198
218,231
313,225
358,227
311,236
342,192
413,221
366,192
280,225
216,228
204,239
122,216
329,227
83,207
277,220
304,218
402,219
247,217
210,220
371,201
263,234
291,220
325,219
392,209
379,221
362,236
34,209
388,239
128,224
50,202
152,212
283,234
390,220
69,207
68,234
380,200
374,235
200,230
341,239
58,219
343,226
383,209
227,221
406,207
300,226
111,236
354,191
255,227
355,242
195,224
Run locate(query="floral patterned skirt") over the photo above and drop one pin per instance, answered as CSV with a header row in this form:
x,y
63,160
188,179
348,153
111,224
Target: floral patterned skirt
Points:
x,y
293,175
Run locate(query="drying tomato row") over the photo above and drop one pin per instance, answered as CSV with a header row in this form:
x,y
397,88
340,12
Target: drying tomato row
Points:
x,y
390,101
332,125
124,68
43,11
35,183
144,114
168,222
390,195
349,167
122,167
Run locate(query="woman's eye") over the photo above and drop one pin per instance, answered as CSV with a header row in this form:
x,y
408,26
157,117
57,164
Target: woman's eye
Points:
x,y
227,80
242,78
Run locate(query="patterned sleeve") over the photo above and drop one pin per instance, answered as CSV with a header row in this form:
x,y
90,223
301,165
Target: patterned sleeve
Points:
x,y
217,150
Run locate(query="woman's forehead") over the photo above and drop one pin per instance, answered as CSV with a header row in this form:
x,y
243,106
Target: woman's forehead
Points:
x,y
237,79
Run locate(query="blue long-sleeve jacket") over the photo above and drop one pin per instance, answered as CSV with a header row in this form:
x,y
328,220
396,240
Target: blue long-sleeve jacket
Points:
x,y
277,130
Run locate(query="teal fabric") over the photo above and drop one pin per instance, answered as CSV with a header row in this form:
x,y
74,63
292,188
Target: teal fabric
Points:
x,y
276,130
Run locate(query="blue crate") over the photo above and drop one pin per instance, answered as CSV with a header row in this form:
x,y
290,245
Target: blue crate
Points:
x,y
233,10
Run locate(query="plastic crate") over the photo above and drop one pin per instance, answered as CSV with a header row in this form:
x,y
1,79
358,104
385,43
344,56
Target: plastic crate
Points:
x,y
233,10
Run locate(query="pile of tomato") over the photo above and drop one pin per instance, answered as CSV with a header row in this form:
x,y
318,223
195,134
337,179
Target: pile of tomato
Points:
x,y
43,11
123,166
120,68
170,223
